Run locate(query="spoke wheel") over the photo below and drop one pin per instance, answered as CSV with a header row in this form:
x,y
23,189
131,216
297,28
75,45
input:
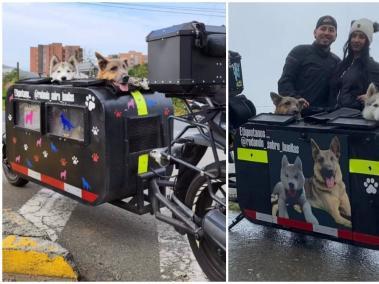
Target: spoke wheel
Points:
x,y
211,258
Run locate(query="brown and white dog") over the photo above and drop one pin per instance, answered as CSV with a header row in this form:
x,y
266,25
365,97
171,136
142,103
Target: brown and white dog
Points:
x,y
371,109
287,105
116,72
325,189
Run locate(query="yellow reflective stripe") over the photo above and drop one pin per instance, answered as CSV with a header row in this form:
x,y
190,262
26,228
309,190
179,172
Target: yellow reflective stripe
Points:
x,y
252,155
140,102
143,162
367,167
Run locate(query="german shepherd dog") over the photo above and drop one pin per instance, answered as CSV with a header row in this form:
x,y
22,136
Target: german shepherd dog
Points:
x,y
371,109
325,189
116,72
287,105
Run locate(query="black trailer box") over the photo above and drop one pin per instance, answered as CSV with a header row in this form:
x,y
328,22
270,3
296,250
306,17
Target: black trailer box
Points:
x,y
86,142
187,59
260,151
235,74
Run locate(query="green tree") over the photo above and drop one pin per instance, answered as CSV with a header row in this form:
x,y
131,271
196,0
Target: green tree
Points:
x,y
140,71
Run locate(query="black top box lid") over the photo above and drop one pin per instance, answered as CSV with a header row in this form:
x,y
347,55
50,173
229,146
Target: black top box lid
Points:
x,y
182,29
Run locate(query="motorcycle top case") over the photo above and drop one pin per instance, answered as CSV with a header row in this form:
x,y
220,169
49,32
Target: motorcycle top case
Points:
x,y
83,139
187,59
235,74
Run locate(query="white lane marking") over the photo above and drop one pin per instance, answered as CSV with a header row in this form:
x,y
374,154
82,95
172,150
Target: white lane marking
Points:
x,y
48,211
177,262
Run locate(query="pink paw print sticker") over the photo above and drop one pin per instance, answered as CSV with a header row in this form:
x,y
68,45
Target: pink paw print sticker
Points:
x,y
63,162
118,114
95,157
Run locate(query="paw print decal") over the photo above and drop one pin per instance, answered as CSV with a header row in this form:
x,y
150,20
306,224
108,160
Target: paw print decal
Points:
x,y
95,157
36,158
14,140
45,154
95,130
63,162
117,114
75,160
90,102
371,186
9,117
26,147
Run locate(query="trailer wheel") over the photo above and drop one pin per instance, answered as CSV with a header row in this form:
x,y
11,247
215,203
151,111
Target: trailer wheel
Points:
x,y
11,176
211,258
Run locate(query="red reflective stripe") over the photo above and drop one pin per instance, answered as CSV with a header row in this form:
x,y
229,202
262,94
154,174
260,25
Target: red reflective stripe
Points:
x,y
295,224
52,181
345,234
18,168
251,214
367,239
89,196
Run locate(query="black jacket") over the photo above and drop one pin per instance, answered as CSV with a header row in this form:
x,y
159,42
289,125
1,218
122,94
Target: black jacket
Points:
x,y
307,73
352,80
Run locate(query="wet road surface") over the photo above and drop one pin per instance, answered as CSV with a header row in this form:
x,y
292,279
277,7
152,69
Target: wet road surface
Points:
x,y
259,253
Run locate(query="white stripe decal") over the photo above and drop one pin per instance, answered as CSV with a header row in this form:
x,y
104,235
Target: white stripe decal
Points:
x,y
35,175
264,217
73,190
325,230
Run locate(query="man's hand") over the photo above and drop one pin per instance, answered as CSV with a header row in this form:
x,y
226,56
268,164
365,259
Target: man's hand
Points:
x,y
304,102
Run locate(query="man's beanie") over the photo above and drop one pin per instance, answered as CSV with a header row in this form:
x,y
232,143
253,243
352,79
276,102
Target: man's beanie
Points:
x,y
365,26
326,20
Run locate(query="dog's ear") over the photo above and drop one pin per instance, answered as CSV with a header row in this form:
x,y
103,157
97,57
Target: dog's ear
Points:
x,y
284,161
53,61
298,163
72,60
371,90
315,149
335,146
301,104
276,98
101,60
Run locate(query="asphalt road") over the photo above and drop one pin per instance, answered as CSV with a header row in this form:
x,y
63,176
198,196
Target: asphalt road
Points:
x,y
259,253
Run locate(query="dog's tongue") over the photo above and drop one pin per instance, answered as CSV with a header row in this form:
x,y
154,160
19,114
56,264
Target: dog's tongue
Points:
x,y
330,182
122,87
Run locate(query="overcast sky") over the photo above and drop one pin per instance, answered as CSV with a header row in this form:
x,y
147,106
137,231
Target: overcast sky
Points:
x,y
264,34
109,28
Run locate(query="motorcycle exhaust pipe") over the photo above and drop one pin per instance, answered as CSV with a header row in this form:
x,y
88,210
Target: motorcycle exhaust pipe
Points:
x,y
214,226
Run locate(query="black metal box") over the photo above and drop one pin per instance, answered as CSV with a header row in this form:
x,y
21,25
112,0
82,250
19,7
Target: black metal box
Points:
x,y
85,142
187,58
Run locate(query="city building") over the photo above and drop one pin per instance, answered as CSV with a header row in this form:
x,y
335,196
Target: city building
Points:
x,y
41,55
134,57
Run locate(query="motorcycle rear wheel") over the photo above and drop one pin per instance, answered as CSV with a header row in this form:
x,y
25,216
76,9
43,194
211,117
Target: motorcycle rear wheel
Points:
x,y
211,257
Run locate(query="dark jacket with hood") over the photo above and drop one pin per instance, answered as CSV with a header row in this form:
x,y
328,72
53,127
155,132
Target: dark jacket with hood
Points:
x,y
307,74
351,80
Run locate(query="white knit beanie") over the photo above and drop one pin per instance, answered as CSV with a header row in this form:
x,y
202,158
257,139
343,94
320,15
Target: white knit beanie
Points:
x,y
365,26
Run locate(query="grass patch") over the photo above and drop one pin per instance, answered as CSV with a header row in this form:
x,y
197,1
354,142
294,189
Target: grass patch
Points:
x,y
234,206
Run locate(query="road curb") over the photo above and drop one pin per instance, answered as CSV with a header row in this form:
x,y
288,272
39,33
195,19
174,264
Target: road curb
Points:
x,y
38,257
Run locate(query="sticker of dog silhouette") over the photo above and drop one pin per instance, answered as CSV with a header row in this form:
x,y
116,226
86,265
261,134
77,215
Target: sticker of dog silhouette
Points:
x,y
67,125
29,117
85,184
290,190
131,104
18,159
53,148
326,190
39,143
63,175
